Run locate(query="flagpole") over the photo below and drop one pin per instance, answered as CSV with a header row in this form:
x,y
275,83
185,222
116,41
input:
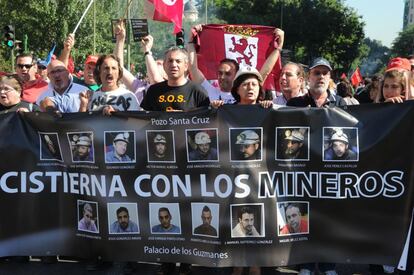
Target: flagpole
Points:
x,y
83,15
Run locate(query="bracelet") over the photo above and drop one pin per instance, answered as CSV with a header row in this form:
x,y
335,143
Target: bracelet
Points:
x,y
148,53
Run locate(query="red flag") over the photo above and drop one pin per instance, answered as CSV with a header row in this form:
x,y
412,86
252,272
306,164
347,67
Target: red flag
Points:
x,y
356,77
249,45
166,11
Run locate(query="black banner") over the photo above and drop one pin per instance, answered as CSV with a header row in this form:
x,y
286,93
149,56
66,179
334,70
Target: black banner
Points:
x,y
238,186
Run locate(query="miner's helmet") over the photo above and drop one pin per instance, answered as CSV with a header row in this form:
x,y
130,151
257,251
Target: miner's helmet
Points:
x,y
339,135
202,138
159,139
83,141
247,137
122,137
294,135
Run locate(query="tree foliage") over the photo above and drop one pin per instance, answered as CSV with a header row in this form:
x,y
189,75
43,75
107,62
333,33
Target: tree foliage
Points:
x,y
376,59
403,45
312,28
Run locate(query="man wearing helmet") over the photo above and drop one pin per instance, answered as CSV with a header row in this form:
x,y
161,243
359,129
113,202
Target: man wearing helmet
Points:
x,y
160,148
203,151
339,147
249,145
120,146
294,140
82,149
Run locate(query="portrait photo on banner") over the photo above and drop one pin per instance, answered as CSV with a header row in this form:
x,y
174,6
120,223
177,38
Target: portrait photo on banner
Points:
x,y
50,146
120,146
202,145
292,143
123,218
246,144
88,217
247,220
160,146
205,219
292,218
81,146
340,144
165,218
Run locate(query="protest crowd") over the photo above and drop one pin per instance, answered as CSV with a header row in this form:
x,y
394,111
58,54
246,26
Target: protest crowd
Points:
x,y
106,86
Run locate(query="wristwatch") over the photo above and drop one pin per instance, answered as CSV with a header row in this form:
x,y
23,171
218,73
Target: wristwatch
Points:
x,y
148,53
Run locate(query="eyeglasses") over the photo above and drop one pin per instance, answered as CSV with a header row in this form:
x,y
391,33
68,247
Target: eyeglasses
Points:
x,y
41,67
318,73
27,66
58,71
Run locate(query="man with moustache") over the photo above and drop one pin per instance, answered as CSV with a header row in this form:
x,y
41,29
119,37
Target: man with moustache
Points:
x,y
111,97
62,94
26,71
318,95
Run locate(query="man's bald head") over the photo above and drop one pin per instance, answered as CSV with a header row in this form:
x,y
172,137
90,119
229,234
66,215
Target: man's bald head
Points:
x,y
58,75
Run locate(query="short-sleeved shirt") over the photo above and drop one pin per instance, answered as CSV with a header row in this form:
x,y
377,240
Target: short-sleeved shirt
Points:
x,y
73,88
217,94
161,97
121,99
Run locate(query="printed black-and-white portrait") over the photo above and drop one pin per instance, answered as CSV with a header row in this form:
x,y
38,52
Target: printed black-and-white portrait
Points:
x,y
205,219
120,147
88,219
161,146
247,220
202,145
340,144
50,147
292,143
81,146
292,218
123,218
246,144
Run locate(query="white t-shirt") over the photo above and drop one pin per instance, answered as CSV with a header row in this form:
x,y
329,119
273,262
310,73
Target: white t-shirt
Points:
x,y
121,99
216,94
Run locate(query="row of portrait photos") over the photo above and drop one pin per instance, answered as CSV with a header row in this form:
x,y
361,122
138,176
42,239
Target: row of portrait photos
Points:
x,y
202,145
246,220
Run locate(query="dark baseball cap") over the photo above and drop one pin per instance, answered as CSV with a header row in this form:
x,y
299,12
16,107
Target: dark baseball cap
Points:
x,y
320,61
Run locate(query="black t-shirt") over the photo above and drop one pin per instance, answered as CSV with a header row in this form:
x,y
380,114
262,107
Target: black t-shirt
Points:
x,y
22,104
161,97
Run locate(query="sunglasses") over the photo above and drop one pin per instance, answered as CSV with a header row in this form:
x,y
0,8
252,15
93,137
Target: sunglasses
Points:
x,y
27,66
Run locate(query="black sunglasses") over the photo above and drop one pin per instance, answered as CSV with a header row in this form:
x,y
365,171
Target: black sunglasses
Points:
x,y
27,66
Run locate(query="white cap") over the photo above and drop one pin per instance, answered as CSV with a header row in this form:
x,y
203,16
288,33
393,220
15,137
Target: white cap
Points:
x,y
247,137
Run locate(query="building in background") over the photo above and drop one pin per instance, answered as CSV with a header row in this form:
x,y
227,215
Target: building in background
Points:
x,y
408,13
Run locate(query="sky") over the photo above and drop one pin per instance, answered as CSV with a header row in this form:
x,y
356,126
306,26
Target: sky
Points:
x,y
383,18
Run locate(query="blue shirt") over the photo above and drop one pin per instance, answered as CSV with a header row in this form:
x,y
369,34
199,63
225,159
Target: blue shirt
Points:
x,y
66,103
110,157
159,229
131,228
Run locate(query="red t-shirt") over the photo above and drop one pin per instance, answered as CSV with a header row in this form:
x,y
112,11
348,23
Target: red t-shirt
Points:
x,y
303,228
33,89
